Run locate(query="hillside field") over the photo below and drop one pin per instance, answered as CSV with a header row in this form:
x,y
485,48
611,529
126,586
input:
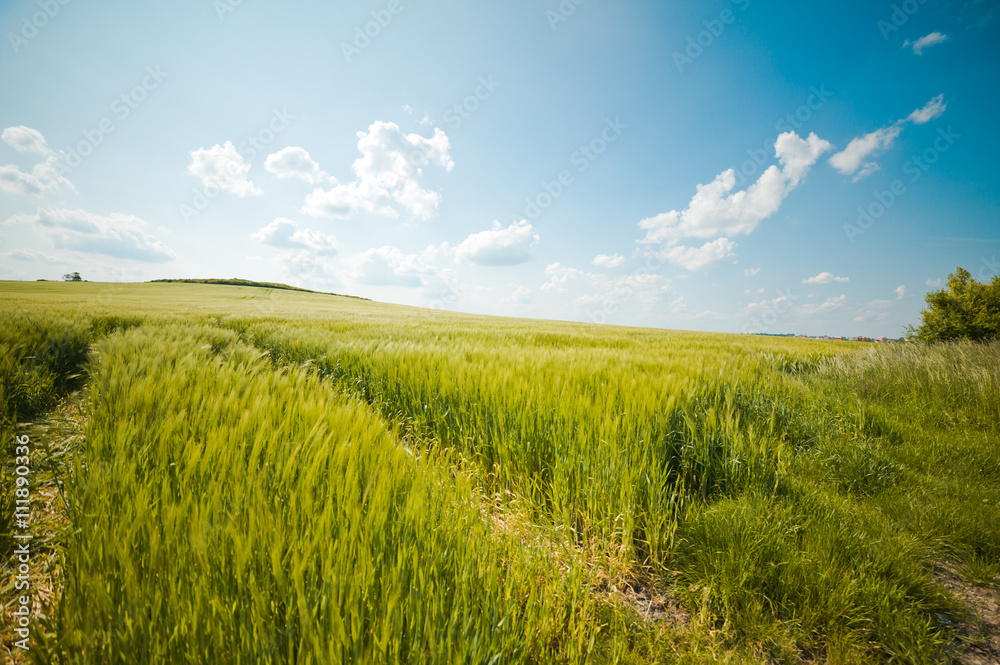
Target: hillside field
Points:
x,y
234,474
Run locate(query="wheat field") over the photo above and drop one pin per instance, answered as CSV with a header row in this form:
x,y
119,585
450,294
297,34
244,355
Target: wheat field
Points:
x,y
271,476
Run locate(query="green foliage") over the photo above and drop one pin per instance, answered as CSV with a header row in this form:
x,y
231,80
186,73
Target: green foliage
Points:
x,y
966,309
72,277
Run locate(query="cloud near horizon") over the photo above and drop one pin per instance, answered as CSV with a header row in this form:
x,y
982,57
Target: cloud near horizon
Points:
x,y
826,278
116,235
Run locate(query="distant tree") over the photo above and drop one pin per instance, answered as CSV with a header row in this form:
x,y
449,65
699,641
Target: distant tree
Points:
x,y
967,309
72,277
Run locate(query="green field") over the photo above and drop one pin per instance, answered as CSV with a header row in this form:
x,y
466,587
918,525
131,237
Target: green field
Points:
x,y
275,476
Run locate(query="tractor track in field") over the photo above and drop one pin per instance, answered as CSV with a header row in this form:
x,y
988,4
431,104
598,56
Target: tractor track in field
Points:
x,y
55,438
979,633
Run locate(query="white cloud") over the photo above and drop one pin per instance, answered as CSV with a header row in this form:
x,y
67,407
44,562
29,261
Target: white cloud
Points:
x,y
613,294
856,160
751,272
390,170
390,266
559,277
826,278
934,283
716,211
116,235
900,292
828,305
305,258
44,179
928,111
286,234
295,162
38,257
520,296
222,166
606,261
499,246
851,158
749,292
699,258
927,40
25,139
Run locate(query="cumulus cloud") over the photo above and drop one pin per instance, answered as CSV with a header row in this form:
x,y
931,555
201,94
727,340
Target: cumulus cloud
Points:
x,y
116,235
390,171
295,162
699,258
856,158
390,266
612,294
829,305
717,212
520,296
860,149
499,246
286,234
305,256
606,261
751,272
35,256
900,292
826,278
44,179
559,277
925,41
928,111
223,166
25,139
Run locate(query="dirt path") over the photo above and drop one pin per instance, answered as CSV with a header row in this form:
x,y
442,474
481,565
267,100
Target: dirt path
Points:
x,y
980,633
54,440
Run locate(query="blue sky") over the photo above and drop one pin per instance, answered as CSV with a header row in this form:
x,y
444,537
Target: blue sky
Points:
x,y
736,166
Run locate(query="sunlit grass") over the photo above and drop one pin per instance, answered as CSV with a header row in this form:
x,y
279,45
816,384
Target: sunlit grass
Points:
x,y
308,478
